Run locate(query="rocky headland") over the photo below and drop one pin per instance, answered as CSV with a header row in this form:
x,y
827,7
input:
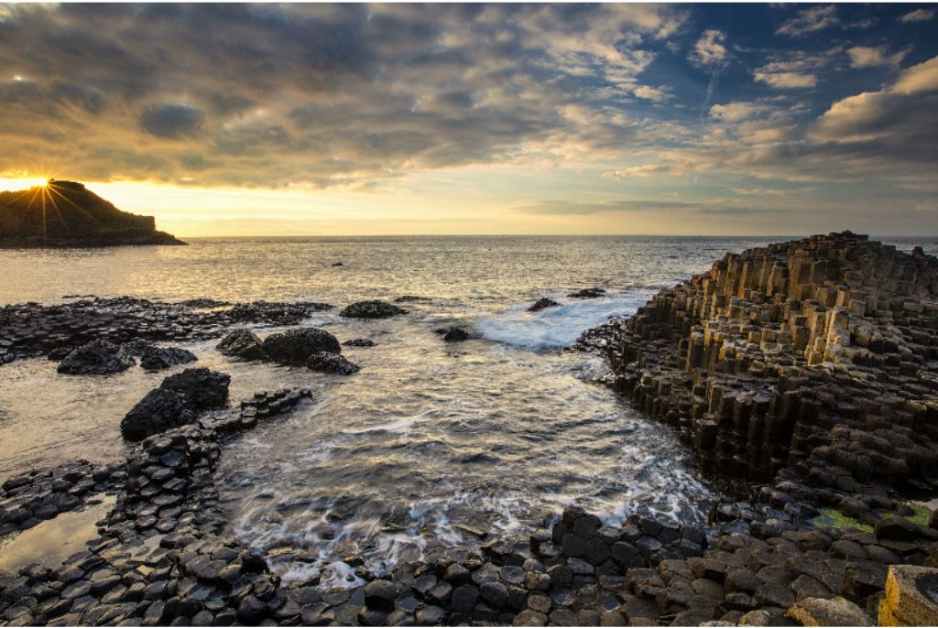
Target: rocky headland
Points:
x,y
804,371
65,214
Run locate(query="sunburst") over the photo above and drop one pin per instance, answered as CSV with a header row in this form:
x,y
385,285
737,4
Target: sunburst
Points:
x,y
46,193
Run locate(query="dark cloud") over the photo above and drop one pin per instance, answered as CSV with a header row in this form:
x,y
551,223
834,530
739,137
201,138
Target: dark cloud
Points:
x,y
171,121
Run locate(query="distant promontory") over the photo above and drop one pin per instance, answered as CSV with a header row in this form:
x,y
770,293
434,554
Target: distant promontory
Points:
x,y
67,214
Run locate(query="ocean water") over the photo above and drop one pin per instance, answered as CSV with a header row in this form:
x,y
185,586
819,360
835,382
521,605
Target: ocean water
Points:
x,y
431,443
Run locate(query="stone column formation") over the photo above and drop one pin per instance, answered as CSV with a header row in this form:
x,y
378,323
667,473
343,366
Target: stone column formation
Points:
x,y
818,355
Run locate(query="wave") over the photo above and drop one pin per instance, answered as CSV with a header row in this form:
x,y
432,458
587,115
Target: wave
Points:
x,y
557,327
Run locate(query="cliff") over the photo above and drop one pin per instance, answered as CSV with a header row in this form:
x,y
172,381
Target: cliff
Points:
x,y
816,358
66,214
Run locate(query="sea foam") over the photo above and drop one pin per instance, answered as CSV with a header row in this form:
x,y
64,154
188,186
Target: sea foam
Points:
x,y
556,327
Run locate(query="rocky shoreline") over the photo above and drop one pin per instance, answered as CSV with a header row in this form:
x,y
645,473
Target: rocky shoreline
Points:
x,y
805,370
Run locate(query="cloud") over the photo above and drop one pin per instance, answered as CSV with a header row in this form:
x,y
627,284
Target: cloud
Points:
x,y
710,49
919,78
645,170
735,111
320,95
866,57
786,80
810,20
655,94
918,15
795,69
171,120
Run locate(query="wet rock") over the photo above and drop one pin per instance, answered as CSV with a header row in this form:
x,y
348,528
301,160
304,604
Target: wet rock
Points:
x,y
359,342
542,304
295,346
324,362
372,309
203,389
454,334
244,344
588,293
178,401
160,358
98,357
380,595
464,598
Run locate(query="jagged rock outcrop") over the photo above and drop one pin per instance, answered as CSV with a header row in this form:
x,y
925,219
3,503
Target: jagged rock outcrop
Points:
x,y
817,356
326,362
177,402
244,344
66,214
98,357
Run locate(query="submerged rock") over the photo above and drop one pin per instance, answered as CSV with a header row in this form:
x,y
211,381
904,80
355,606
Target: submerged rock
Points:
x,y
359,342
372,309
542,304
453,334
244,344
326,362
98,357
295,346
588,293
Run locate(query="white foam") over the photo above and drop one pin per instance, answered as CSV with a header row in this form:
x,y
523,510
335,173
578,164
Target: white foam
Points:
x,y
557,327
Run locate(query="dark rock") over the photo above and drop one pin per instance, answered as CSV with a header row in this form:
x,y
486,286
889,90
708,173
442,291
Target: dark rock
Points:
x,y
325,362
244,344
160,410
251,610
588,293
160,358
203,389
464,598
380,595
430,616
359,342
371,309
542,304
295,346
494,593
98,357
455,334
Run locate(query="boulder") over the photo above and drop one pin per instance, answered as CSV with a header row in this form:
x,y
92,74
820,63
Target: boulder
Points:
x,y
98,357
160,410
815,611
295,346
371,309
204,389
159,358
242,343
178,401
588,293
542,304
325,362
453,334
910,597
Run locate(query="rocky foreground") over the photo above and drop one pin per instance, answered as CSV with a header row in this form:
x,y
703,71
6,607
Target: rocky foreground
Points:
x,y
809,366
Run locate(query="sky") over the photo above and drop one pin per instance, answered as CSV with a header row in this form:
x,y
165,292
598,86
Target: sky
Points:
x,y
355,119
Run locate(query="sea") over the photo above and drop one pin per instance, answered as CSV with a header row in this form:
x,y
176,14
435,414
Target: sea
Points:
x,y
432,445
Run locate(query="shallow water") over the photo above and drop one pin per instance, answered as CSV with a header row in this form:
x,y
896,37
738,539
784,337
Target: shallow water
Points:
x,y
51,542
431,441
